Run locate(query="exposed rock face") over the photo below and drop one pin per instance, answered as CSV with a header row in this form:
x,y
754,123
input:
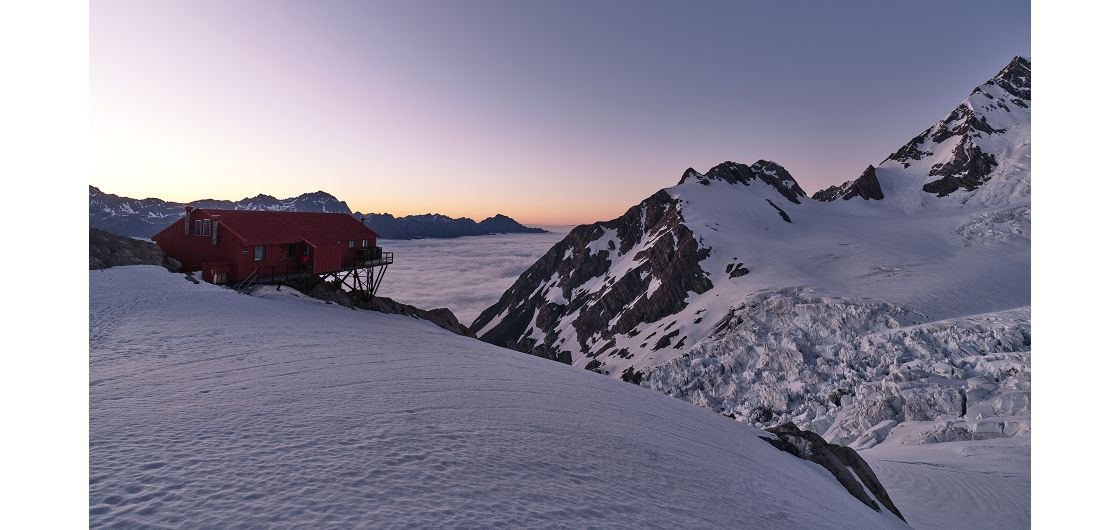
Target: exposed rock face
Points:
x,y
781,213
843,462
109,250
865,187
1015,78
570,285
764,170
441,317
968,169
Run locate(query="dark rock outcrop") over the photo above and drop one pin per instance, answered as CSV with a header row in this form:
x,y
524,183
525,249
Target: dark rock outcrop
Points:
x,y
844,463
865,187
1015,78
785,216
912,151
968,169
332,292
110,250
737,271
441,317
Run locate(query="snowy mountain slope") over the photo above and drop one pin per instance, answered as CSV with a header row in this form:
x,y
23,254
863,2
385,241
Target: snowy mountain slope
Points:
x,y
213,409
623,295
979,153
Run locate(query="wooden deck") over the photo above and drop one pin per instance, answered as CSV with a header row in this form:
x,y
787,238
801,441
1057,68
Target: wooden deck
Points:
x,y
348,274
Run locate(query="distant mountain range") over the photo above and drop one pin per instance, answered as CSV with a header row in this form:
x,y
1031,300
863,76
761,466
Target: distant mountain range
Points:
x,y
442,226
145,217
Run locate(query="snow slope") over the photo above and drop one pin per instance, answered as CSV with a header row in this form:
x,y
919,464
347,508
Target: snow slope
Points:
x,y
213,409
979,484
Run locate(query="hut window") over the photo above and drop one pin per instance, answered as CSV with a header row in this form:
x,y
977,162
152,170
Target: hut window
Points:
x,y
258,253
350,243
206,227
198,228
365,243
291,251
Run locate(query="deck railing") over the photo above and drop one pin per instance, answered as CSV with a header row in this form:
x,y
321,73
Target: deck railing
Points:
x,y
296,270
373,260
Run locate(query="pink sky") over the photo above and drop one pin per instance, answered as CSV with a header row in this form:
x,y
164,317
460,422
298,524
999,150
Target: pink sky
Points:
x,y
550,114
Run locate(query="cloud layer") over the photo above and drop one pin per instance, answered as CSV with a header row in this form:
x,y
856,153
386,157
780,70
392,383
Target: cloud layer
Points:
x,y
466,274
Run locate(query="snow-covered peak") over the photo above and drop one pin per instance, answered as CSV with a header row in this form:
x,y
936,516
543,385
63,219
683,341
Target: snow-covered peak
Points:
x,y
768,172
1015,78
978,154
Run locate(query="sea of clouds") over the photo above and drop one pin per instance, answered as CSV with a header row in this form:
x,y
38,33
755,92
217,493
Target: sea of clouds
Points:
x,y
465,274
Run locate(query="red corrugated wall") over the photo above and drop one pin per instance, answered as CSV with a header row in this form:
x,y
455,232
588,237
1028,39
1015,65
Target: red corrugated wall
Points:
x,y
192,251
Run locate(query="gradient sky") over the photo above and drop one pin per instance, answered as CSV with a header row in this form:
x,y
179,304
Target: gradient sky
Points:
x,y
557,112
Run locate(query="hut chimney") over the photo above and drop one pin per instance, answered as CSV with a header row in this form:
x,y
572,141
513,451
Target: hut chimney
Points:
x,y
187,220
214,229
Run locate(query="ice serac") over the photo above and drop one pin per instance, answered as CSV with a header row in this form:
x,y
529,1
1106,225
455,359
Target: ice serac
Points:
x,y
865,187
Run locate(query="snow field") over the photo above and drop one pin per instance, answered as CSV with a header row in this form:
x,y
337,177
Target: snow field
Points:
x,y
213,409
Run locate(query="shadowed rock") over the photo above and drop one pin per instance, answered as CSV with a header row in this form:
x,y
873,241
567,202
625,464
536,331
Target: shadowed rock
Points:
x,y
844,463
865,187
110,250
332,292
